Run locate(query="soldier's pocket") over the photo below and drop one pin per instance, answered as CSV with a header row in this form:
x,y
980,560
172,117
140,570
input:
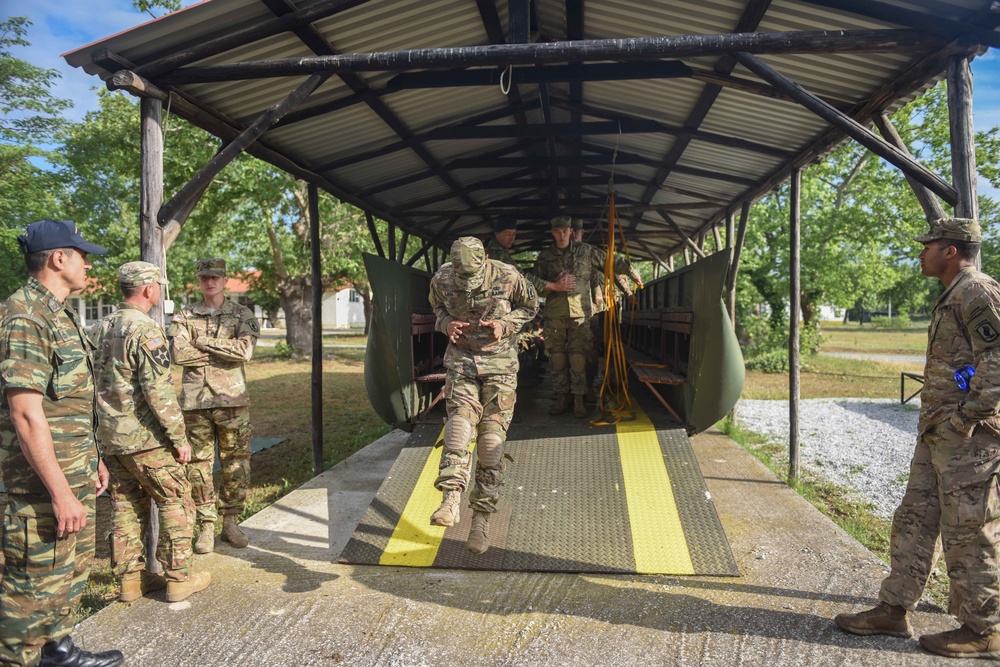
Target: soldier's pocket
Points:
x,y
506,400
72,374
30,545
972,501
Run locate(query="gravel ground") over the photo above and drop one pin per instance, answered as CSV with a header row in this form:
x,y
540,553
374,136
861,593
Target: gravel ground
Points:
x,y
864,445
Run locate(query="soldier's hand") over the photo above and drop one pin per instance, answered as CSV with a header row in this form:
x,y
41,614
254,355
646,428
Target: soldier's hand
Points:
x,y
103,477
183,454
495,325
71,515
566,283
455,329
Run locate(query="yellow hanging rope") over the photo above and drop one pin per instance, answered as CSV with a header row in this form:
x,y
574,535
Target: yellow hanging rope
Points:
x,y
614,401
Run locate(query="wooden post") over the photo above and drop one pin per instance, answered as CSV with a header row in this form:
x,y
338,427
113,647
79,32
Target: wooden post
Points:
x,y
963,140
932,207
151,247
151,193
794,289
741,237
317,329
374,234
402,246
392,241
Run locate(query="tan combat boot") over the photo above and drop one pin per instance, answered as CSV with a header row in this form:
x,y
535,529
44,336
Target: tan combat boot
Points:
x,y
205,544
479,536
231,532
579,409
182,590
963,643
137,584
885,619
561,405
447,513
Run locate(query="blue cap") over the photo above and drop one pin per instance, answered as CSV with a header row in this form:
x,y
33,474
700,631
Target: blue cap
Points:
x,y
52,234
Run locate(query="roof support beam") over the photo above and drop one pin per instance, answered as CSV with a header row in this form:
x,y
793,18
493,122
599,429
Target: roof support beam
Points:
x,y
535,208
932,207
245,36
625,50
897,15
655,69
684,237
374,234
192,191
628,124
850,127
420,176
963,139
430,244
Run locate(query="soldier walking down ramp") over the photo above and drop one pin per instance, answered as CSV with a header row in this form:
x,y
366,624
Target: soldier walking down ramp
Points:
x,y
141,429
51,466
568,339
953,487
480,305
213,340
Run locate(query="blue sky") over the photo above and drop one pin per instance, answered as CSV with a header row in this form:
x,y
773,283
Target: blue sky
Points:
x,y
60,26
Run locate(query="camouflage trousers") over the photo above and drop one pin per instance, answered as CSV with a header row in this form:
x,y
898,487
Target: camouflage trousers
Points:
x,y
568,341
136,479
43,576
231,428
952,492
487,402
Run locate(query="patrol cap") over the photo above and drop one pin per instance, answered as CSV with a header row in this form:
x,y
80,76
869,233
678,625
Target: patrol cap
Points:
x,y
468,258
956,229
577,224
52,234
562,222
214,266
137,274
504,223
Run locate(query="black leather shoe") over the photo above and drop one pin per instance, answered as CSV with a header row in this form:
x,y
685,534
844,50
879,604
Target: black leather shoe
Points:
x,y
64,653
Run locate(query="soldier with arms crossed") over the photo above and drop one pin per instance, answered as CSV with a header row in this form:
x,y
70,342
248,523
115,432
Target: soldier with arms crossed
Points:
x,y
213,340
51,466
953,488
141,429
480,305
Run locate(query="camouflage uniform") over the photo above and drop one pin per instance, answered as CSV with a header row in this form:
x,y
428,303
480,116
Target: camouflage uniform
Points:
x,y
139,422
43,348
529,336
214,348
567,314
953,486
481,378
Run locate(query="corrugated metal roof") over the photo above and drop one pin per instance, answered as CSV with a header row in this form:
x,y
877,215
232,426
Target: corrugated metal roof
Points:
x,y
379,159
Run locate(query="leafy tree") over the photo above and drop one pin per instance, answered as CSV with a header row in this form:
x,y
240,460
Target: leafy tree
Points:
x,y
30,120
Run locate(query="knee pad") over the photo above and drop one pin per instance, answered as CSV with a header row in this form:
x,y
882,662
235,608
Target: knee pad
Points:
x,y
557,360
490,450
457,434
578,362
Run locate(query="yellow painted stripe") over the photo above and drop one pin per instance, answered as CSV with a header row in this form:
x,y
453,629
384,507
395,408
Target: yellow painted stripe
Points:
x,y
414,540
657,535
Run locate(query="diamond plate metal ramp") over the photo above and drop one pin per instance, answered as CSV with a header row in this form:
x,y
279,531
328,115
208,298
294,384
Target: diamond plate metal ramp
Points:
x,y
577,498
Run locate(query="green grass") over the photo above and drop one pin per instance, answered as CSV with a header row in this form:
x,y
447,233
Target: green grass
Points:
x,y
832,377
866,338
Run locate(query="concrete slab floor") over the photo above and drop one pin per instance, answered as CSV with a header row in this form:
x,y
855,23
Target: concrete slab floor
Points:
x,y
285,601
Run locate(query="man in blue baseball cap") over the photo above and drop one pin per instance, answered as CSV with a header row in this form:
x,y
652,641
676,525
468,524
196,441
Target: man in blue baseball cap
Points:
x,y
52,468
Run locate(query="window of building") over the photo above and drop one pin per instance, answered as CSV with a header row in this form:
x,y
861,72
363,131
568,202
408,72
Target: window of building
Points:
x,y
353,297
93,310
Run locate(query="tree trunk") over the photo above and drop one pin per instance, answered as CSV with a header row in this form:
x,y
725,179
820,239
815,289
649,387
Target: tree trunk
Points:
x,y
364,291
296,301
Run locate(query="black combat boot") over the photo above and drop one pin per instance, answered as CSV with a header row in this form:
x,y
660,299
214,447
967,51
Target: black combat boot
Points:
x,y
64,653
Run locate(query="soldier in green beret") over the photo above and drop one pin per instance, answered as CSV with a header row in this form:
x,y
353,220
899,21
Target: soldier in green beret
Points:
x,y
141,428
480,305
213,339
51,465
953,490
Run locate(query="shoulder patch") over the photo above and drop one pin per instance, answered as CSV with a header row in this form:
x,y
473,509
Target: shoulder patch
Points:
x,y
987,331
154,343
24,316
157,350
177,318
253,325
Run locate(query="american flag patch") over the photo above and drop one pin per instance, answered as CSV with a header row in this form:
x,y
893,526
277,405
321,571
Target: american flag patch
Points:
x,y
154,343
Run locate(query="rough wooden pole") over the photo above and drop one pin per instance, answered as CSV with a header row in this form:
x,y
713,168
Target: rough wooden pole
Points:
x,y
317,329
963,140
794,289
374,234
151,246
741,237
932,207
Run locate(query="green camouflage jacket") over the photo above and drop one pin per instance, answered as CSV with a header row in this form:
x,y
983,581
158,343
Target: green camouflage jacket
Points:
x,y
43,348
583,261
496,251
504,296
213,348
964,331
137,406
